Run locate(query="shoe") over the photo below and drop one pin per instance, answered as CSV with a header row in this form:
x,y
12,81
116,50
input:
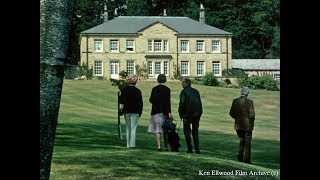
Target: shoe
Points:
x,y
198,152
189,151
159,149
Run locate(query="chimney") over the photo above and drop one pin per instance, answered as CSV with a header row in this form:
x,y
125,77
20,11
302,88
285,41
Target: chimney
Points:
x,y
105,14
164,12
202,18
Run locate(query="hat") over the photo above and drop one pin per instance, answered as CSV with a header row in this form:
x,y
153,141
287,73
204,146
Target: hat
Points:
x,y
244,90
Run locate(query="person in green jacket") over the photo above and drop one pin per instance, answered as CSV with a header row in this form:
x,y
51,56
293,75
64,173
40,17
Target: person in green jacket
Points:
x,y
190,111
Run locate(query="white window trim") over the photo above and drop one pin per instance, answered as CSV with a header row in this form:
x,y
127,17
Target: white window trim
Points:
x,y
186,51
203,46
94,63
276,78
152,41
116,40
216,62
94,45
203,68
133,46
187,68
134,65
218,51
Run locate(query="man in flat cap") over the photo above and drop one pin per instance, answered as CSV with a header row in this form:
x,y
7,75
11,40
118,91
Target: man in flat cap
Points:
x,y
242,111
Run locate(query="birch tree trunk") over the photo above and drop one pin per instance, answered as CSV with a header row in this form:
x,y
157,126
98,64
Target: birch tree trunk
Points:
x,y
55,24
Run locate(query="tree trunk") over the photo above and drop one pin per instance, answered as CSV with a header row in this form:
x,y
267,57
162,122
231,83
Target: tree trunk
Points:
x,y
55,23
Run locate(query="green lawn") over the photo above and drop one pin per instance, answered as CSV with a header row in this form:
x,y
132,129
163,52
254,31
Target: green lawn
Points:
x,y
87,144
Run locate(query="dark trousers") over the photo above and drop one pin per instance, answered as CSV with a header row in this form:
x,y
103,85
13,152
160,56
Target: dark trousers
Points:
x,y
195,133
165,138
244,153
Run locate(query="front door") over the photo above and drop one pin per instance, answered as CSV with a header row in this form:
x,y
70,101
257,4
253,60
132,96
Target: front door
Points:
x,y
114,70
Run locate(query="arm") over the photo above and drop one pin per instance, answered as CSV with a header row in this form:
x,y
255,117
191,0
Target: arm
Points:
x,y
232,111
251,111
182,103
169,105
140,103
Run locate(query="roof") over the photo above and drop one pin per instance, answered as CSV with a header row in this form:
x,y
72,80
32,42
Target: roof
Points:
x,y
256,64
134,24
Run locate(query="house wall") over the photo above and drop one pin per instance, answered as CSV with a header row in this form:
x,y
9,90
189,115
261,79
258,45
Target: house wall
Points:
x,y
262,72
156,31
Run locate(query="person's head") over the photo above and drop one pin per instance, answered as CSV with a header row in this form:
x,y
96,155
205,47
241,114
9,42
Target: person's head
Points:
x,y
244,91
161,78
132,79
185,82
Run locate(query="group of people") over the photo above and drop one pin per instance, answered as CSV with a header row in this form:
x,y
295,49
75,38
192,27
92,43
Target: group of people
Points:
x,y
190,111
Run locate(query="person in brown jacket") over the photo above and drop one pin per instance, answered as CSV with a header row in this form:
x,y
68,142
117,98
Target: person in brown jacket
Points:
x,y
242,111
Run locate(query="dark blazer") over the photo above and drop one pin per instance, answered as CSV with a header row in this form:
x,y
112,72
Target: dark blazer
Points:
x,y
190,105
131,98
242,110
160,100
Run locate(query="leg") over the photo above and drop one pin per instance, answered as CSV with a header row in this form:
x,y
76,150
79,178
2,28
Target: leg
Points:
x,y
158,135
134,124
165,138
240,134
195,135
247,147
128,128
187,131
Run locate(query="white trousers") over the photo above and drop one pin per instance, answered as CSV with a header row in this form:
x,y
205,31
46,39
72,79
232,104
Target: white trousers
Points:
x,y
131,128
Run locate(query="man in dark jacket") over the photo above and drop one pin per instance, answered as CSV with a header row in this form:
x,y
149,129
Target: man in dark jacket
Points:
x,y
190,110
242,111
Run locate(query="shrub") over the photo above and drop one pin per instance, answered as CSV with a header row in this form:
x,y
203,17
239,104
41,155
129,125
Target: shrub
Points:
x,y
121,83
82,71
223,84
210,80
261,82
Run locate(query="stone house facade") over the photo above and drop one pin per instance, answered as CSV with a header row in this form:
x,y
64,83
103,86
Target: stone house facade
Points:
x,y
258,67
160,44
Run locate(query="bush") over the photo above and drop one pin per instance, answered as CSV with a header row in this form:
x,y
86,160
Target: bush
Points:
x,y
261,82
210,80
121,83
82,71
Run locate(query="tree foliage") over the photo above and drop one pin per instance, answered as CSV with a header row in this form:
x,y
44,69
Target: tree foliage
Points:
x,y
255,24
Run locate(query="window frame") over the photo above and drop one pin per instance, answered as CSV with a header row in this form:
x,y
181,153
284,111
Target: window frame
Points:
x,y
131,66
130,46
203,69
184,45
216,48
214,69
97,43
95,66
203,46
111,45
182,68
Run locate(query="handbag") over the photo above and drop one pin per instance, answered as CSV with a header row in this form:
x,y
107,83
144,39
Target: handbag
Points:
x,y
169,125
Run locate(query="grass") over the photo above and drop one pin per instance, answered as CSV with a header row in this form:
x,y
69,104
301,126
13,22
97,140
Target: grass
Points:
x,y
87,144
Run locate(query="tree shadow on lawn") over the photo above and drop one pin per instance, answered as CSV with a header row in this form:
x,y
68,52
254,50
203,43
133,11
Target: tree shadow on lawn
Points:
x,y
98,146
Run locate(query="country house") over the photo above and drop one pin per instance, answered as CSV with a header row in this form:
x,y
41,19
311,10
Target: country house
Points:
x,y
159,44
